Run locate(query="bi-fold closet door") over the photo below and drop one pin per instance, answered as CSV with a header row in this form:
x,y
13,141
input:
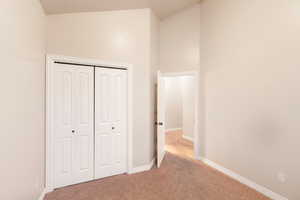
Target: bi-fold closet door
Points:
x,y
89,123
73,103
110,122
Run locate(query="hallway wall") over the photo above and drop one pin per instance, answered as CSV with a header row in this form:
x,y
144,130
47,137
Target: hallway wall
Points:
x,y
188,106
180,104
174,106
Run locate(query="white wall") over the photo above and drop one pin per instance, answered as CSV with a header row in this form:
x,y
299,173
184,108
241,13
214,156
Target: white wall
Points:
x,y
173,98
119,36
155,29
180,49
179,41
250,56
180,104
22,86
188,105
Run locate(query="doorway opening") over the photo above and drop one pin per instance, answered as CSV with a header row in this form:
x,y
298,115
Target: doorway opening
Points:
x,y
178,115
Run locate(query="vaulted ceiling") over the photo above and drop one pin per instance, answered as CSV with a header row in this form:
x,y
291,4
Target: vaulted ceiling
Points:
x,y
163,8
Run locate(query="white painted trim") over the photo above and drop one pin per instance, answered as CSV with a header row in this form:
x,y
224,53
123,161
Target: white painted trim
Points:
x,y
49,135
43,194
161,157
196,75
187,138
143,167
184,73
173,129
244,180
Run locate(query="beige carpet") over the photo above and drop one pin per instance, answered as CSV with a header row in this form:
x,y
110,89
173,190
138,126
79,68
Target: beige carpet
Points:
x,y
177,179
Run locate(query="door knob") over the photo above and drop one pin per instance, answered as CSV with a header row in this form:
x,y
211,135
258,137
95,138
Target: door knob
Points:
x,y
112,128
159,123
73,131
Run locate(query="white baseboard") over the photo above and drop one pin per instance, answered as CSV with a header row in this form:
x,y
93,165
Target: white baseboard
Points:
x,y
142,168
244,180
173,129
187,138
42,196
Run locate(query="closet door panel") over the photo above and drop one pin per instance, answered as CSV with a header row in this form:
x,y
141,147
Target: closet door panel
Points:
x,y
84,130
103,153
73,124
110,113
103,132
119,85
64,78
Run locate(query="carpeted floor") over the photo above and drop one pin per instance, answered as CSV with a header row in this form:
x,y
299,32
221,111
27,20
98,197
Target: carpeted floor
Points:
x,y
179,178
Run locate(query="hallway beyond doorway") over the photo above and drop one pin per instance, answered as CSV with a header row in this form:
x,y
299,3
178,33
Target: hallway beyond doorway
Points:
x,y
179,146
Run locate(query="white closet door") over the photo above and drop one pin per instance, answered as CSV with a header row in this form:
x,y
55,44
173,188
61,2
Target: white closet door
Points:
x,y
110,122
73,124
84,130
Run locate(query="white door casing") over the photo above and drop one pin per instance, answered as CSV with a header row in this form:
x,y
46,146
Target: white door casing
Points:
x,y
73,124
160,119
196,75
110,122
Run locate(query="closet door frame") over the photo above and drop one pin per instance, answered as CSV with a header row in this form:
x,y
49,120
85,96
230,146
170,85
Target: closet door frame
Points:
x,y
50,60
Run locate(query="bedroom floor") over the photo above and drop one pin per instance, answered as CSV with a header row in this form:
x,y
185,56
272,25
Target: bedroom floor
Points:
x,y
179,178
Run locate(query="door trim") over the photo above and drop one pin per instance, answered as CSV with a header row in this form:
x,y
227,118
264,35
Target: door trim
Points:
x,y
195,74
50,60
